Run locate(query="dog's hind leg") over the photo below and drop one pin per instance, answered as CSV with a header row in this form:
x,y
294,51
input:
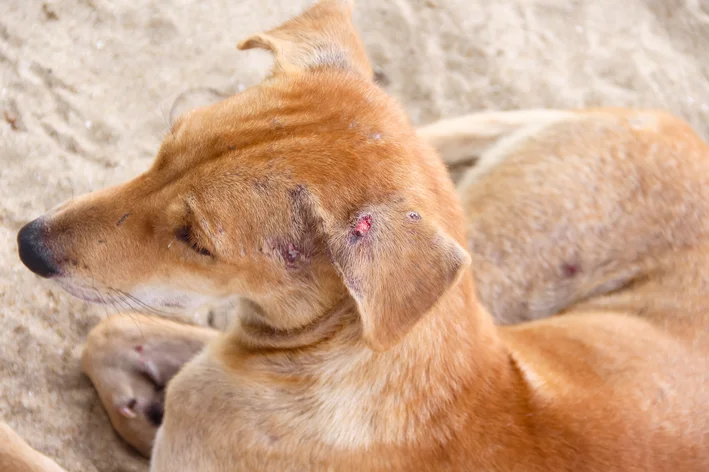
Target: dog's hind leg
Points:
x,y
464,139
563,206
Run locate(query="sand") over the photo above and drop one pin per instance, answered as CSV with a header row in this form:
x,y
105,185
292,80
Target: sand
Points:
x,y
86,89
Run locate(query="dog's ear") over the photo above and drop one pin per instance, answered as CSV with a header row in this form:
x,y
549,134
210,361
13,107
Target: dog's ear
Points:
x,y
396,265
322,37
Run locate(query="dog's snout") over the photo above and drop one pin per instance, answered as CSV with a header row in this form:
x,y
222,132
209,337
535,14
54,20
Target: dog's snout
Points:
x,y
33,251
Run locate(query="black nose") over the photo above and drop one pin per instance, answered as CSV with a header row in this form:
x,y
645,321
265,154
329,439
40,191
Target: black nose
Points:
x,y
33,252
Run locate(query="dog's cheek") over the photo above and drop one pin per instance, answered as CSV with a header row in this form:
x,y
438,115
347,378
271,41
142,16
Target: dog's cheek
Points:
x,y
292,255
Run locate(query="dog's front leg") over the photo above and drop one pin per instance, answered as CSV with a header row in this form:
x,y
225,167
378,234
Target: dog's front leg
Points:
x,y
17,456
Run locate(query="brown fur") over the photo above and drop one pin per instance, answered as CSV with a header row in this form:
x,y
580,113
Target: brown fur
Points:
x,y
312,196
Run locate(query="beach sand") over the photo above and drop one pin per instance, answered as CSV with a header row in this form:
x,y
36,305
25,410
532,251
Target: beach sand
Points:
x,y
87,88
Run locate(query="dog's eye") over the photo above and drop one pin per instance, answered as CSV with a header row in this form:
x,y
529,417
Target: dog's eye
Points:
x,y
184,234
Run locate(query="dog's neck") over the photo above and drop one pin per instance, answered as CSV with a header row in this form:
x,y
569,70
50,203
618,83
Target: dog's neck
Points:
x,y
255,333
452,355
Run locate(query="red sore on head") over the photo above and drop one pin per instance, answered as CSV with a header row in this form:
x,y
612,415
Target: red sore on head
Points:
x,y
364,224
291,254
570,270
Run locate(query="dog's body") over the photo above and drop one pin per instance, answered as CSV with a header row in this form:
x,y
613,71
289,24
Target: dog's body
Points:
x,y
370,349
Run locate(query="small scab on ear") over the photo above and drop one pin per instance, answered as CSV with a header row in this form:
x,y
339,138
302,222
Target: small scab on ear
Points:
x,y
414,216
362,227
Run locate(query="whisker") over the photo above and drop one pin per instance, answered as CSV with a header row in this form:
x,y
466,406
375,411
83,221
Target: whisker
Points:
x,y
144,305
141,303
98,294
103,301
130,309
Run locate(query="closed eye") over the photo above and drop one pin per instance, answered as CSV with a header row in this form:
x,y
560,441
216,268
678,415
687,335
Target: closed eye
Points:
x,y
184,234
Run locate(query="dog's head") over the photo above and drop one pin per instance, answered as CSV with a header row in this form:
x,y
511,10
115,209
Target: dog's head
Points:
x,y
305,189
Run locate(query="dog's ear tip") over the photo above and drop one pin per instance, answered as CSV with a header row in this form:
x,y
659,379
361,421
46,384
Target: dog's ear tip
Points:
x,y
252,42
322,36
244,45
347,3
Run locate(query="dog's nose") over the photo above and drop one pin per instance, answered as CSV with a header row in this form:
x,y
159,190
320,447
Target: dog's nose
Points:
x,y
33,251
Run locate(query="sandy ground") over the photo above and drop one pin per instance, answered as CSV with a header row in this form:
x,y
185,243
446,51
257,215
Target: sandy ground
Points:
x,y
86,88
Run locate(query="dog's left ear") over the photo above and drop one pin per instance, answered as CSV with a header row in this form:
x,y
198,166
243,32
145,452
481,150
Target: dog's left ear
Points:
x,y
396,265
321,37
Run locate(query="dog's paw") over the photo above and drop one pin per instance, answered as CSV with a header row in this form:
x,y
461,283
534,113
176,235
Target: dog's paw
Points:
x,y
161,360
150,368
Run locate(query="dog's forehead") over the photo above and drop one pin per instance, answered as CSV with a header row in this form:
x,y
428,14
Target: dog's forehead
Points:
x,y
319,128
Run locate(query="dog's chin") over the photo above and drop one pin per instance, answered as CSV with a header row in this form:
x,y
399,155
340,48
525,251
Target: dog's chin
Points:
x,y
86,294
146,299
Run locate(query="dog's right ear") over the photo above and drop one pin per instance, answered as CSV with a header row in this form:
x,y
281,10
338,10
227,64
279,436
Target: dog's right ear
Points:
x,y
321,37
395,264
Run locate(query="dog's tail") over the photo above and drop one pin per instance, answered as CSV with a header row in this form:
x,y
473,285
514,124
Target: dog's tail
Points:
x,y
462,140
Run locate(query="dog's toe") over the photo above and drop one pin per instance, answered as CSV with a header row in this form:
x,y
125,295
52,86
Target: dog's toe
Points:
x,y
128,410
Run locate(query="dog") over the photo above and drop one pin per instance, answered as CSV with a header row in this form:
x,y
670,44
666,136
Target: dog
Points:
x,y
373,346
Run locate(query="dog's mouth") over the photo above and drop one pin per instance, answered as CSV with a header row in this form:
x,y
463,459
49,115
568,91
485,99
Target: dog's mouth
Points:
x,y
144,300
36,256
91,295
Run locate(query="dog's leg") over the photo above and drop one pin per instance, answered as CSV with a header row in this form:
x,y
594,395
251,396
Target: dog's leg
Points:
x,y
577,206
17,456
130,358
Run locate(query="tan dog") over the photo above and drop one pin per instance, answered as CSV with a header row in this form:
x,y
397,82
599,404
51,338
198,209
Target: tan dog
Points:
x,y
312,196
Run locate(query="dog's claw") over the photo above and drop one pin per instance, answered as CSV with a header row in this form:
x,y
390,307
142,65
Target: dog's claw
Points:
x,y
128,410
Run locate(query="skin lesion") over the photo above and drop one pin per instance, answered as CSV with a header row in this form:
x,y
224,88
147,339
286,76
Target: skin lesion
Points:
x,y
122,219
